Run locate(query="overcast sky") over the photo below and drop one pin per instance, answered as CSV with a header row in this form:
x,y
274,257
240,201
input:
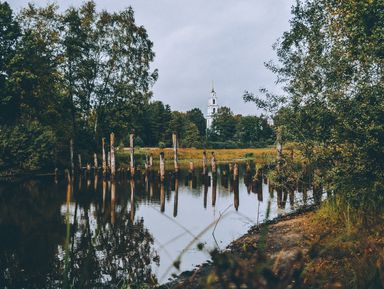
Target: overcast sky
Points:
x,y
200,41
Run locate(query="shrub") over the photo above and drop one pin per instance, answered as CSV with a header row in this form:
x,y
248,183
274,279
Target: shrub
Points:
x,y
27,147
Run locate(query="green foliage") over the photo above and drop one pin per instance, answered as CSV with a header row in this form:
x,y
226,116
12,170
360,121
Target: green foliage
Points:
x,y
27,147
330,66
223,125
139,141
191,136
253,130
161,145
230,131
153,124
9,35
79,74
196,116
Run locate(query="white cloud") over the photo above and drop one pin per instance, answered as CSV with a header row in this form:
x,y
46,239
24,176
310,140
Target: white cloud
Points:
x,y
203,40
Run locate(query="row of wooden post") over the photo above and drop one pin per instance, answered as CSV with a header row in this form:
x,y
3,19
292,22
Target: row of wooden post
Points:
x,y
109,160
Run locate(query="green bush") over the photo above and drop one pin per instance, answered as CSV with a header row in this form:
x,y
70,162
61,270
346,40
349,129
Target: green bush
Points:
x,y
248,155
162,145
26,147
139,142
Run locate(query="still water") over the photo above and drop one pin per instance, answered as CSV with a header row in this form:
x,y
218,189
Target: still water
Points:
x,y
102,234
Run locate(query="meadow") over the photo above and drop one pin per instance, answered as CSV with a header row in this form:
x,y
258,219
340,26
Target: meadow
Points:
x,y
187,155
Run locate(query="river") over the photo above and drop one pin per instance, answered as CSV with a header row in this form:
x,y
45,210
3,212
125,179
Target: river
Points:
x,y
103,234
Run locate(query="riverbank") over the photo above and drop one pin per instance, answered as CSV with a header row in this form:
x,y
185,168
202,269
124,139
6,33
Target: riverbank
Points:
x,y
185,156
308,249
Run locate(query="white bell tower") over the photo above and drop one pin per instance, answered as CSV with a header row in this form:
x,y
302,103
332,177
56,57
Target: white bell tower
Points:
x,y
212,107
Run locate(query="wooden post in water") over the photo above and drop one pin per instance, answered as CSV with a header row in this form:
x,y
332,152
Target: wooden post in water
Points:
x,y
279,147
95,182
150,161
56,175
95,164
176,199
213,163
71,156
88,171
162,167
214,184
162,198
132,152
236,200
68,176
146,163
104,157
191,168
113,202
109,161
112,158
104,193
80,165
205,166
248,168
236,172
133,208
175,160
205,179
69,187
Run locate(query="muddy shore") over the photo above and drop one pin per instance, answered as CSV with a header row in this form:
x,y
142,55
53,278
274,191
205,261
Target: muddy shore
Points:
x,y
282,248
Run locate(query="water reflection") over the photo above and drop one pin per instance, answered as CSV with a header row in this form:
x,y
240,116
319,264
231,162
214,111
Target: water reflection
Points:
x,y
96,233
176,198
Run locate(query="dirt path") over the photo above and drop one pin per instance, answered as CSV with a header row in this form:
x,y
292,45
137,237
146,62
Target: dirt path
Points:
x,y
269,259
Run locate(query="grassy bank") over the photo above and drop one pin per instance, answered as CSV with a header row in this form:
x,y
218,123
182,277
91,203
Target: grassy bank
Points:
x,y
346,248
186,155
332,247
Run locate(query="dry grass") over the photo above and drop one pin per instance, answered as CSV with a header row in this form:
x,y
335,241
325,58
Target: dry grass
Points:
x,y
346,249
185,155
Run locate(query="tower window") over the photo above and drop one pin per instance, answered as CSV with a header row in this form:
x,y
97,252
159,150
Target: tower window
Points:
x,y
214,109
213,101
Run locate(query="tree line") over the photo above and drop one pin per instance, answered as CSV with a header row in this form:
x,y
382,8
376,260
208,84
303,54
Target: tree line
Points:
x,y
330,64
81,74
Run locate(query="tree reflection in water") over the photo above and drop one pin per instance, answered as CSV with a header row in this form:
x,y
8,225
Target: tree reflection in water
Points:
x,y
88,235
79,248
114,253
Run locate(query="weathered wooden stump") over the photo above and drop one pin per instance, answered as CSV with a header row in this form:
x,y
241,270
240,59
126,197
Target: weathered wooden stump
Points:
x,y
162,167
112,158
104,157
132,153
236,172
176,199
175,157
205,164
213,163
71,156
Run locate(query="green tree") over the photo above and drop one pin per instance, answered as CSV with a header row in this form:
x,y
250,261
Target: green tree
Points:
x,y
253,131
32,104
9,36
105,59
331,68
223,125
191,136
78,73
156,121
197,117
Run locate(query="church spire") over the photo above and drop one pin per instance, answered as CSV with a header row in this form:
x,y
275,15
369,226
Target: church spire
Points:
x,y
212,106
